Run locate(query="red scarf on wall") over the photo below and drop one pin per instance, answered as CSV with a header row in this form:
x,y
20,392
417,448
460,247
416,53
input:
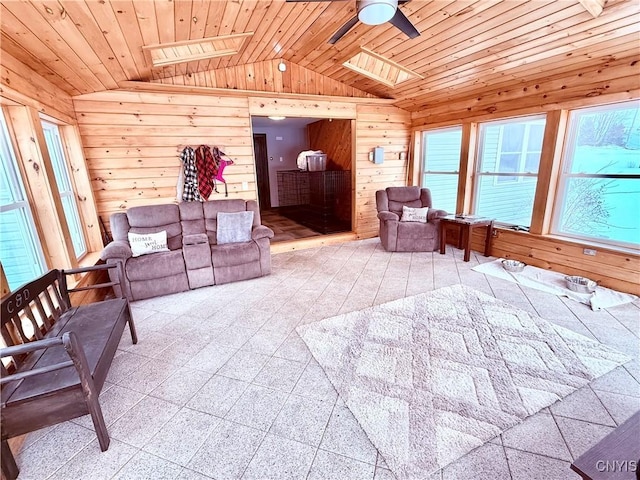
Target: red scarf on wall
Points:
x,y
206,168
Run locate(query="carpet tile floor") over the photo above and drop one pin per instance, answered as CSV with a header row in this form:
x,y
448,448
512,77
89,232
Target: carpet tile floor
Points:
x,y
220,386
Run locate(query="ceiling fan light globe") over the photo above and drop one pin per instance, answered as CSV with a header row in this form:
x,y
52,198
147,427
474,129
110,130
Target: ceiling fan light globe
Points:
x,y
376,12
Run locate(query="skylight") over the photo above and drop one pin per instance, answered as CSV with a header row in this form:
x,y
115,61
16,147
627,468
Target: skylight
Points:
x,y
379,68
194,50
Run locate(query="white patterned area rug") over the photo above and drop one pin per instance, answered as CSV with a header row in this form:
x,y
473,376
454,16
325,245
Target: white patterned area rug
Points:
x,y
436,375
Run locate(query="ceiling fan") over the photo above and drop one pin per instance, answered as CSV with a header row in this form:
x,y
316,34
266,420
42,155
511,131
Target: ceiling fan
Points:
x,y
376,12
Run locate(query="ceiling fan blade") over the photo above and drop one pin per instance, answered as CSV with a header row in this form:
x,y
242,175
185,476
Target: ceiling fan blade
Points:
x,y
399,20
343,30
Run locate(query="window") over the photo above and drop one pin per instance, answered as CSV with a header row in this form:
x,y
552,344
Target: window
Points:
x,y
67,195
441,166
520,146
599,190
507,169
20,251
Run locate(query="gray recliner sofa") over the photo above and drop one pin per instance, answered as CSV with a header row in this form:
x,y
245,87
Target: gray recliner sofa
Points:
x,y
399,236
195,259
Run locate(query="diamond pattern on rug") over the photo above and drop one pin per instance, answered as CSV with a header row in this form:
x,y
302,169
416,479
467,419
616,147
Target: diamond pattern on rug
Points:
x,y
433,376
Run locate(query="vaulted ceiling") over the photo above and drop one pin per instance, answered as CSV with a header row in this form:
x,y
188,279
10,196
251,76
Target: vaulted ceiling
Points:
x,y
465,47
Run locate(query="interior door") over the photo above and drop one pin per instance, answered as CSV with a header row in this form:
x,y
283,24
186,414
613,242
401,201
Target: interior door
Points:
x,y
262,170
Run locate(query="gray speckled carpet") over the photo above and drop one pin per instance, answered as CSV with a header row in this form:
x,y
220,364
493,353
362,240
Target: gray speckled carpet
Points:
x,y
433,376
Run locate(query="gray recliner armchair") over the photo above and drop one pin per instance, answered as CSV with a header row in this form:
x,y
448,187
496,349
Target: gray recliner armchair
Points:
x,y
399,236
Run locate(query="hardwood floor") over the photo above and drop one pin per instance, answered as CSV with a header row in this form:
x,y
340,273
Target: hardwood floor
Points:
x,y
285,228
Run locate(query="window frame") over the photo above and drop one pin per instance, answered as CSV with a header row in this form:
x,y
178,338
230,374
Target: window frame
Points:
x,y
17,187
478,174
60,164
564,177
35,168
423,156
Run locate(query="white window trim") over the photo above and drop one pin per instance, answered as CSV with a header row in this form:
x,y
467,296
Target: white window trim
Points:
x,y
423,160
478,174
17,187
47,125
566,175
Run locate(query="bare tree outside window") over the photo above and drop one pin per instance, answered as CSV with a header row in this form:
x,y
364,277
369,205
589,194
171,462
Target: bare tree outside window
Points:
x,y
599,194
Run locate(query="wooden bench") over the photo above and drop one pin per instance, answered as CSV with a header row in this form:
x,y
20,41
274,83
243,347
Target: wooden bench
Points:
x,y
57,357
615,457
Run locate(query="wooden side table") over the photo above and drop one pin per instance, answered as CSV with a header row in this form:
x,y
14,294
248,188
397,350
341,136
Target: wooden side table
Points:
x,y
466,223
615,457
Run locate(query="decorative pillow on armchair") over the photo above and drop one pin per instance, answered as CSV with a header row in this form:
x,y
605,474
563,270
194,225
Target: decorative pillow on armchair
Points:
x,y
234,227
410,214
145,243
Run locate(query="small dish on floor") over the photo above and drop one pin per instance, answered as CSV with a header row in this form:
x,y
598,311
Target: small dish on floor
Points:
x,y
513,265
580,284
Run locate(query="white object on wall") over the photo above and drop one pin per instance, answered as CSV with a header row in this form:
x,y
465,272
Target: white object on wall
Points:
x,y
378,155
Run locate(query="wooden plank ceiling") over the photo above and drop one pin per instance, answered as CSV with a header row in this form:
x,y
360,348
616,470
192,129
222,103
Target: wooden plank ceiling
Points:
x,y
465,47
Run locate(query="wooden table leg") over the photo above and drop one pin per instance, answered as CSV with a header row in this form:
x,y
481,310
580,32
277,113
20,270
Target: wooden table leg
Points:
x,y
443,237
467,241
9,467
487,241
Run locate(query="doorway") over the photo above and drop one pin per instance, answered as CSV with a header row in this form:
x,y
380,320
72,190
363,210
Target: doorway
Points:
x,y
262,170
297,203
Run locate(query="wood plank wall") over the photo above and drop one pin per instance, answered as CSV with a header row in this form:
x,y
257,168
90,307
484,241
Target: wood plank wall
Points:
x,y
615,80
132,142
265,77
333,137
378,126
22,85
611,268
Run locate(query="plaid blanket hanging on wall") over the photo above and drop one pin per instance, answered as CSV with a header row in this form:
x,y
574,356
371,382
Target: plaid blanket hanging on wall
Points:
x,y
190,192
202,168
205,166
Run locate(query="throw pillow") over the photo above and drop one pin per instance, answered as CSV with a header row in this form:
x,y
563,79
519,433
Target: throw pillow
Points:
x,y
234,227
410,214
145,243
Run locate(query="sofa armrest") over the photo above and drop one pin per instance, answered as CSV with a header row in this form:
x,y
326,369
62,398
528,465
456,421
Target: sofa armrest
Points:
x,y
388,216
434,215
261,231
118,249
195,239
